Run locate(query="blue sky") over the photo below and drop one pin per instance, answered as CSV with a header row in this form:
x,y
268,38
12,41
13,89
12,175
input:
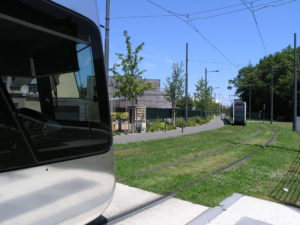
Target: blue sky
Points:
x,y
235,35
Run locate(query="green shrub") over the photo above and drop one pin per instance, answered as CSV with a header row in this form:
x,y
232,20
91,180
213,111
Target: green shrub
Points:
x,y
193,121
158,126
113,116
120,115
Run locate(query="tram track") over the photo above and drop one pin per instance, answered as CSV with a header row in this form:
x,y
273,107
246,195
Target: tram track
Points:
x,y
171,194
165,150
184,137
194,157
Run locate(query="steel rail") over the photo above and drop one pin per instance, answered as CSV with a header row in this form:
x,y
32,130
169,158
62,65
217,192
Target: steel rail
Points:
x,y
197,156
184,139
163,198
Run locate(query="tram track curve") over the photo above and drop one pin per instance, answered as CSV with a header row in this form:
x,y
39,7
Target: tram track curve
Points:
x,y
171,194
164,150
183,137
196,156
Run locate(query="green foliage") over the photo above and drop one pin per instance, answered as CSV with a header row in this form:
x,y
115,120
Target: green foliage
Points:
x,y
120,115
204,100
129,83
193,121
113,116
123,116
203,95
181,103
258,77
174,87
157,126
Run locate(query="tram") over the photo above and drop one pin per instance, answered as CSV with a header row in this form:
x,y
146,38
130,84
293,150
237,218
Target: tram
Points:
x,y
56,156
236,114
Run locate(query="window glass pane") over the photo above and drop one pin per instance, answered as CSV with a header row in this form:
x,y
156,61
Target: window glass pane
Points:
x,y
54,94
13,150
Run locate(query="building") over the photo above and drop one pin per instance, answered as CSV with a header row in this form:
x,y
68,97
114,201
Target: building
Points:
x,y
153,98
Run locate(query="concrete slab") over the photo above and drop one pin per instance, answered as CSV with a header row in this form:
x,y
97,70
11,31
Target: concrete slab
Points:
x,y
206,216
173,211
249,221
212,213
260,210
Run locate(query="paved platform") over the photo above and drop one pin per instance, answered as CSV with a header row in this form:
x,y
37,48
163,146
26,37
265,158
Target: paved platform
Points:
x,y
215,123
170,212
235,210
244,210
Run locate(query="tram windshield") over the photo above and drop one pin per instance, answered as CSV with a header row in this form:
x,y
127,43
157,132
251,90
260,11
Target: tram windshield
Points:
x,y
52,87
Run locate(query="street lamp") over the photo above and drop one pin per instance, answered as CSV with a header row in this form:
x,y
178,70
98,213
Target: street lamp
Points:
x,y
212,71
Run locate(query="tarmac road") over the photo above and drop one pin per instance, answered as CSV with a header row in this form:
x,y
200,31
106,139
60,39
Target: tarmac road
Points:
x,y
215,123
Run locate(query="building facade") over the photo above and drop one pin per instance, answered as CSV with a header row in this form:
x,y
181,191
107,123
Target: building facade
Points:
x,y
153,98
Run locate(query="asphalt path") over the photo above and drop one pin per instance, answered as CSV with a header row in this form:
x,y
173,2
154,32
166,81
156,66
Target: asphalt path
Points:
x,y
215,123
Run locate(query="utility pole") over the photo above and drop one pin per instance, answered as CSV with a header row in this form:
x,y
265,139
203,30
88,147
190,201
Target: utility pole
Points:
x,y
107,29
249,102
186,82
295,83
205,93
272,94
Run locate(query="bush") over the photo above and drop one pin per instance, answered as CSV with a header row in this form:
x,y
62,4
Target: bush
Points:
x,y
193,121
123,116
113,116
157,126
120,115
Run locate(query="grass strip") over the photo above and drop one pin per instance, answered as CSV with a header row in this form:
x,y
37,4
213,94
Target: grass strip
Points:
x,y
138,145
261,176
167,180
197,156
180,151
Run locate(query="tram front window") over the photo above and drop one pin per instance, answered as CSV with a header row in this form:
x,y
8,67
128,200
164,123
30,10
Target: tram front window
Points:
x,y
50,84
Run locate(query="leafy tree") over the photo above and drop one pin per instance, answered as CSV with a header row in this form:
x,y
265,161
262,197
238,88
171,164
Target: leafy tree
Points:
x,y
181,103
174,87
203,95
129,83
258,77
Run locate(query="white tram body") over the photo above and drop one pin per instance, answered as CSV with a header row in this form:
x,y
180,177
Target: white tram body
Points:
x,y
56,156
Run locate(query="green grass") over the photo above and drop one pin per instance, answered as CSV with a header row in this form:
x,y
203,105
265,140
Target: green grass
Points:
x,y
259,176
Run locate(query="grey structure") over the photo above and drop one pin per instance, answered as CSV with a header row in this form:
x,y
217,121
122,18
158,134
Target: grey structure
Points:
x,y
154,98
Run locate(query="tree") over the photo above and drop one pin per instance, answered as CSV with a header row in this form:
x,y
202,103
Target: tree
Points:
x,y
203,95
174,87
129,83
258,77
181,103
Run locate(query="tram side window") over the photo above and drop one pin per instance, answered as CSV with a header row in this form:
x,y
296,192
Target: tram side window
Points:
x,y
14,152
51,82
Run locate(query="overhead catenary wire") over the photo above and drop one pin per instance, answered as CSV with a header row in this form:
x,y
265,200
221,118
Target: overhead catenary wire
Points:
x,y
166,15
212,62
251,9
191,25
258,7
220,8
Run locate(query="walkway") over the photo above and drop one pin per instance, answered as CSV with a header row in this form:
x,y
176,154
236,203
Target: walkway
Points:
x,y
212,125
